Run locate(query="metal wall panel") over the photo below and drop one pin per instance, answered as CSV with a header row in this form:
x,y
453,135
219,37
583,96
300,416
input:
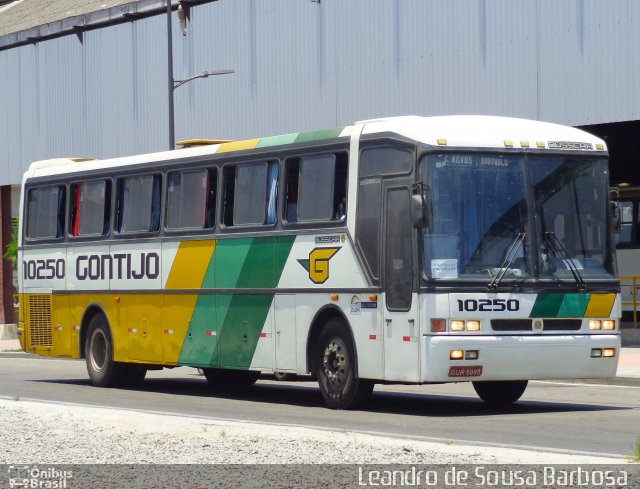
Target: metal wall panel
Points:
x,y
301,65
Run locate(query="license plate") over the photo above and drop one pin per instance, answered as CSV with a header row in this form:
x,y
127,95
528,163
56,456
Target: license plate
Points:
x,y
465,371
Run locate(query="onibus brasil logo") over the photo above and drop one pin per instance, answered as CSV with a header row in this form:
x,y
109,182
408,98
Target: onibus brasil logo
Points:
x,y
318,264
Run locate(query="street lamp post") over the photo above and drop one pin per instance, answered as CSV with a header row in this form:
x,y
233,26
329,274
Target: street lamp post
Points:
x,y
173,83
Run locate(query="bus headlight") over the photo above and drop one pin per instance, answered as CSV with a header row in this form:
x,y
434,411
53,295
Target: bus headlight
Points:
x,y
456,325
456,354
595,324
609,324
609,352
473,325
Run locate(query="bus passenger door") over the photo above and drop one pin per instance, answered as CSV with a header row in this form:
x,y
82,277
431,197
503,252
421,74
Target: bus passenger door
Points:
x,y
401,328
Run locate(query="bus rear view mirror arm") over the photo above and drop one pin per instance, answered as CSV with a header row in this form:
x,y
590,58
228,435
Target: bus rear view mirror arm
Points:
x,y
421,206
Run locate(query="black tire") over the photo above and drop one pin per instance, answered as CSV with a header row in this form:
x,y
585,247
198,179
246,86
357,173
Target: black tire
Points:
x,y
134,375
339,385
230,379
103,371
500,393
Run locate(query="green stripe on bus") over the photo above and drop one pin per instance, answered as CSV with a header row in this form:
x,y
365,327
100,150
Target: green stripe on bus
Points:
x,y
560,305
209,314
546,305
574,305
277,140
247,314
316,135
236,319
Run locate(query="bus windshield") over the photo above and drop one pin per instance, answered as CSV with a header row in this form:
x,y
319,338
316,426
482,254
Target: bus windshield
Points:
x,y
486,222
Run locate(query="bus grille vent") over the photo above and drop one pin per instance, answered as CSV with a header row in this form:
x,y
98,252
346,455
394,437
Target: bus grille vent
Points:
x,y
40,320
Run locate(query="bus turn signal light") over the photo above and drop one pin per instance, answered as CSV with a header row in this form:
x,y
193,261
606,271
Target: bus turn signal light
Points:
x,y
438,325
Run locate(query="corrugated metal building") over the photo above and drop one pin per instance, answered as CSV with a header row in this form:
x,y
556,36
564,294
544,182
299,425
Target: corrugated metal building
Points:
x,y
98,86
89,78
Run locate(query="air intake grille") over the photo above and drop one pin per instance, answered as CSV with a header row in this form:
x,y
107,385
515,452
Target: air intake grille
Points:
x,y
40,320
511,324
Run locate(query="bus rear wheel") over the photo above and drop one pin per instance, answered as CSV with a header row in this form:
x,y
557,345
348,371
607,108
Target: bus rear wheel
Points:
x,y
230,379
339,385
500,393
103,371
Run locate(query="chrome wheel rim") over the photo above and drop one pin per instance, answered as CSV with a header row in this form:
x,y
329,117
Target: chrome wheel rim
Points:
x,y
335,363
98,353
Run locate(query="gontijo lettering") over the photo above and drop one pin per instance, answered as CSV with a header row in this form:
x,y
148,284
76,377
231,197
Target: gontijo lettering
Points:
x,y
119,266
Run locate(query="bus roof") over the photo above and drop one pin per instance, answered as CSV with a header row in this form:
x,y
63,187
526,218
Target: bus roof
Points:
x,y
473,131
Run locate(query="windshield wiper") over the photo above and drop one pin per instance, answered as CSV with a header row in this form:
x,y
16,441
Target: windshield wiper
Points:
x,y
506,261
557,246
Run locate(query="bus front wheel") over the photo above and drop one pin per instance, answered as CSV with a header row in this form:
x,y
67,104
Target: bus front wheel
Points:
x,y
339,385
103,371
500,393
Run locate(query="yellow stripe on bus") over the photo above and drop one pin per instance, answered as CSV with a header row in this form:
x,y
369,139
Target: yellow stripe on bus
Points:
x,y
190,264
600,305
238,145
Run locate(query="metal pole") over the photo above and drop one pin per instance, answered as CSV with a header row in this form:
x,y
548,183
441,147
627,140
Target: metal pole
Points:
x,y
170,85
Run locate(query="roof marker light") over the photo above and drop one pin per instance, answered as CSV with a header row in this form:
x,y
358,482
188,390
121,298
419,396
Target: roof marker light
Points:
x,y
524,144
508,143
600,147
442,142
540,144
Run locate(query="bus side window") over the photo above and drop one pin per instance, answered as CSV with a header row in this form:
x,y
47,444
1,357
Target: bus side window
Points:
x,y
250,193
625,236
90,208
138,204
316,187
191,199
46,212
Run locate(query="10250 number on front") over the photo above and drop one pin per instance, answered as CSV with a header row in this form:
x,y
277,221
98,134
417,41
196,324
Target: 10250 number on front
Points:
x,y
488,305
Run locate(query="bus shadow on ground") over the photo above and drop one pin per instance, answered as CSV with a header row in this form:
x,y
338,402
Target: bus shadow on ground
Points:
x,y
305,394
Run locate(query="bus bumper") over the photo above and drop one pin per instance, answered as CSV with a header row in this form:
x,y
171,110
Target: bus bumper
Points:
x,y
519,357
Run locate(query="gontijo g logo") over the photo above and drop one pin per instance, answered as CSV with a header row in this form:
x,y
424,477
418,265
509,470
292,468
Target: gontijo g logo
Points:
x,y
318,264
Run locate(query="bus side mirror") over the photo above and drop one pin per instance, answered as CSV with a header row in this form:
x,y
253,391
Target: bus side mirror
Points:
x,y
420,212
617,217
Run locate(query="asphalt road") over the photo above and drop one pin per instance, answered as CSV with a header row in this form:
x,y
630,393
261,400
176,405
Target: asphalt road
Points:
x,y
578,417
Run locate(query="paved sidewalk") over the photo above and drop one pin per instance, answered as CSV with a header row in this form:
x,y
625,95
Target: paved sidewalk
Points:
x,y
628,366
9,345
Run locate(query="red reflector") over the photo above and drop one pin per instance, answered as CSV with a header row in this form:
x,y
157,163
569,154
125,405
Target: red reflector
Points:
x,y
211,333
372,337
263,335
409,338
132,330
464,371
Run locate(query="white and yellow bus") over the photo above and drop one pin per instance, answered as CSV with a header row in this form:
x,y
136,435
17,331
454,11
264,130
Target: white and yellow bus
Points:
x,y
406,249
